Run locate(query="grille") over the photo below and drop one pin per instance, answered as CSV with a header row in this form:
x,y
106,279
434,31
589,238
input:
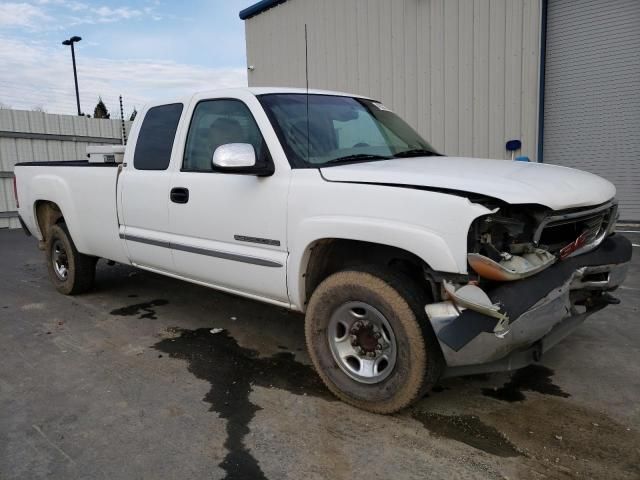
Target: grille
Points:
x,y
560,229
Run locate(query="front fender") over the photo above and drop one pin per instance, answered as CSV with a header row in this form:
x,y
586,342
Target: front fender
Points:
x,y
431,225
431,247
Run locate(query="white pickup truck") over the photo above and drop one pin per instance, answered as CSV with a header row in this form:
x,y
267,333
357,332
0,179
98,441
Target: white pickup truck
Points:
x,y
409,265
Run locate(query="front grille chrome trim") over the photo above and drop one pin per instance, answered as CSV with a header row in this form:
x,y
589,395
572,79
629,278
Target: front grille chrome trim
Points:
x,y
603,215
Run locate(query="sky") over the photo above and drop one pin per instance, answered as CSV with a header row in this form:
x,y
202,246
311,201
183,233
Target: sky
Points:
x,y
141,49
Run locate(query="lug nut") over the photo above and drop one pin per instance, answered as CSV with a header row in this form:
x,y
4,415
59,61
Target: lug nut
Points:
x,y
377,334
371,354
358,350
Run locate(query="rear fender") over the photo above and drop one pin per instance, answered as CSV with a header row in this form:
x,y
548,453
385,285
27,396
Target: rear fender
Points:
x,y
52,188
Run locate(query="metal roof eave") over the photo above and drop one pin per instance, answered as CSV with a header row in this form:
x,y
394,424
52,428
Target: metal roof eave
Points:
x,y
258,8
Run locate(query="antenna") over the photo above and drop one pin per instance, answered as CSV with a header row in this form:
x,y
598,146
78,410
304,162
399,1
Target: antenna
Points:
x,y
124,132
306,74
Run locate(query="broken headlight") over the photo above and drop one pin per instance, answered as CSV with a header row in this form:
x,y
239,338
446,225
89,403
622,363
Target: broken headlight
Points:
x,y
501,246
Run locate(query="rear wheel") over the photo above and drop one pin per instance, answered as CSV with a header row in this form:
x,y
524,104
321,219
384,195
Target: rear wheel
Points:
x,y
70,271
370,341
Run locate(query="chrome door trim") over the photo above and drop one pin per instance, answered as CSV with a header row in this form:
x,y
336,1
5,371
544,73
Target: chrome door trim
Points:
x,y
261,241
235,257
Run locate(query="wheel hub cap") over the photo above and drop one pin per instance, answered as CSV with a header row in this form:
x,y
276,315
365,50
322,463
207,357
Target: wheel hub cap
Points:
x,y
60,260
362,342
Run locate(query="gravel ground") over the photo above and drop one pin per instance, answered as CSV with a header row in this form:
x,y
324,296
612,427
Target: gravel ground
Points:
x,y
130,382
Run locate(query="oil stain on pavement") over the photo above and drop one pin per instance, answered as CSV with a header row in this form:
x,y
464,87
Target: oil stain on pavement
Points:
x,y
232,371
145,310
467,429
534,378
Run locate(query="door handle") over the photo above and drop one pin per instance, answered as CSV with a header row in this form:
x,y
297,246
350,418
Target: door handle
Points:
x,y
179,195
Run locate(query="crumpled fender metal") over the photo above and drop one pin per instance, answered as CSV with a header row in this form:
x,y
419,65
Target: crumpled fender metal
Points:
x,y
473,297
518,297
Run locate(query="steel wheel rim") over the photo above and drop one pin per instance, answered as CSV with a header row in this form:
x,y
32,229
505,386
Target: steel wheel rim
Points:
x,y
362,342
60,260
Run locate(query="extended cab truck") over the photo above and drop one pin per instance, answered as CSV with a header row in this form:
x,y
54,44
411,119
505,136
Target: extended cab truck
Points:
x,y
409,265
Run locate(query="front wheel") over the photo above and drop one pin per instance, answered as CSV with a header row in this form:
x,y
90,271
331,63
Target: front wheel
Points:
x,y
370,341
70,271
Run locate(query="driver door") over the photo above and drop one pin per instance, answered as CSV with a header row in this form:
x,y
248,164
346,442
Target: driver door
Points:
x,y
229,229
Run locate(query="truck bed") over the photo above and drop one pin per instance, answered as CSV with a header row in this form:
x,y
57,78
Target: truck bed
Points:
x,y
86,195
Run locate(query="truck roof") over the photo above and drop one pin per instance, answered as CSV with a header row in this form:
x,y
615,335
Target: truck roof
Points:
x,y
254,90
266,90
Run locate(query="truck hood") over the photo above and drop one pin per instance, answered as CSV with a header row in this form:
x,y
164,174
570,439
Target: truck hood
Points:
x,y
553,186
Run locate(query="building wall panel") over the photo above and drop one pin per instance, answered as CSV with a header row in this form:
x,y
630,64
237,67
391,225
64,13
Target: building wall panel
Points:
x,y
465,78
480,105
464,73
436,110
52,124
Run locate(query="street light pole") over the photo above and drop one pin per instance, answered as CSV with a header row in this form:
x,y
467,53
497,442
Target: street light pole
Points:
x,y
70,42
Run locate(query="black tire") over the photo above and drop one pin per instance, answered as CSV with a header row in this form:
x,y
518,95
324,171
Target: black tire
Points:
x,y
418,361
78,270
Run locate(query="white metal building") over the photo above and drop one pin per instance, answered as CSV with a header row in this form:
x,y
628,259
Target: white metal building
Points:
x,y
562,76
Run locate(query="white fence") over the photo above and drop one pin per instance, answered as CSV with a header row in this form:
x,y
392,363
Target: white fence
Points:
x,y
27,136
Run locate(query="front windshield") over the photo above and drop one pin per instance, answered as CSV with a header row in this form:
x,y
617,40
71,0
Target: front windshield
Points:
x,y
341,130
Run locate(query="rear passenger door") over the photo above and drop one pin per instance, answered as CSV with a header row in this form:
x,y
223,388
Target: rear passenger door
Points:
x,y
231,231
144,189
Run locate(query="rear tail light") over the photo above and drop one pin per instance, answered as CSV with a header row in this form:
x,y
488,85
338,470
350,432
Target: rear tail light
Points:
x,y
15,191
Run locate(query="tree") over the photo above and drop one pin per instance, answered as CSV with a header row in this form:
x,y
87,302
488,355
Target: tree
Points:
x,y
133,114
101,110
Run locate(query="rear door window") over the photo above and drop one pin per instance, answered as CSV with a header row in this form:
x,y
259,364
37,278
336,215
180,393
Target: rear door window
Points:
x,y
155,140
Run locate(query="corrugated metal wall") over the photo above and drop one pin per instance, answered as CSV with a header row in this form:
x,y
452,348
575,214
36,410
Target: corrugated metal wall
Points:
x,y
592,94
464,73
27,136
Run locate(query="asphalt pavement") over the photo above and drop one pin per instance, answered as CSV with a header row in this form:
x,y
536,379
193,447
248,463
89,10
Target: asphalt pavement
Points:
x,y
150,377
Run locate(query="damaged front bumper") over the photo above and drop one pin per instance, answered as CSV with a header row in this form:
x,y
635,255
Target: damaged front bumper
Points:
x,y
542,310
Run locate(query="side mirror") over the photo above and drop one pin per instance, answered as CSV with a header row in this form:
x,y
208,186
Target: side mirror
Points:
x,y
234,156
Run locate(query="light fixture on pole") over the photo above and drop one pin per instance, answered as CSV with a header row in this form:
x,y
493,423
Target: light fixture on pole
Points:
x,y
70,42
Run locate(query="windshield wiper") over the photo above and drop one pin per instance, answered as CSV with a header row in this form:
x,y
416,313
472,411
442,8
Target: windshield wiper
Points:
x,y
415,152
357,156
